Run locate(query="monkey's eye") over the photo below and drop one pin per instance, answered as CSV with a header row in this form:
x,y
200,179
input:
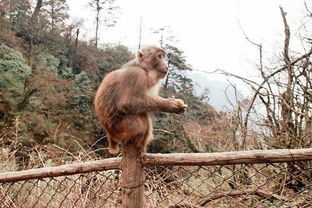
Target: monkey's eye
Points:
x,y
159,56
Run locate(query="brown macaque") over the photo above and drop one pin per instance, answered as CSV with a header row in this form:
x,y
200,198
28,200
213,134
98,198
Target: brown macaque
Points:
x,y
127,95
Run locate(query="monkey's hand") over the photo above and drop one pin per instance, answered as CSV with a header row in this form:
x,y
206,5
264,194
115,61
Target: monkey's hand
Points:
x,y
179,105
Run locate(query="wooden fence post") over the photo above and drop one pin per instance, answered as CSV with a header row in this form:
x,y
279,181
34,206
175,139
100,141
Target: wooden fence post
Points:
x,y
132,178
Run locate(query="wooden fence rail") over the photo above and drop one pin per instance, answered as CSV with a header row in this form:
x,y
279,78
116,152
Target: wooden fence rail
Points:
x,y
228,158
133,162
62,170
182,159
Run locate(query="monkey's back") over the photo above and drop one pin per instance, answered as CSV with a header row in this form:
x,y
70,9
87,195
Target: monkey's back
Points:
x,y
106,98
116,88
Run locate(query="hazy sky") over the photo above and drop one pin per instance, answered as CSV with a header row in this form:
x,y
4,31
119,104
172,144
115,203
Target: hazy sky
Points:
x,y
207,30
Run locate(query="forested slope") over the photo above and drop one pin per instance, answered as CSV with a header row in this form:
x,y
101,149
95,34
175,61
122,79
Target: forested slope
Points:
x,y
48,78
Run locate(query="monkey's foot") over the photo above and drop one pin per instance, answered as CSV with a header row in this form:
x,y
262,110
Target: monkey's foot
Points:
x,y
113,149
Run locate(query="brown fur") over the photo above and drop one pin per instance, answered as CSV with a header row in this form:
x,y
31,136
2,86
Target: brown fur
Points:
x,y
127,95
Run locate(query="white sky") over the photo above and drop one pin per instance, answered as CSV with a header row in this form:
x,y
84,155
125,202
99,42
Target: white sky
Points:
x,y
207,30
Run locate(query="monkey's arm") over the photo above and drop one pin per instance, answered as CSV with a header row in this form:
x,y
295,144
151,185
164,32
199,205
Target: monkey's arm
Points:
x,y
137,96
152,104
159,104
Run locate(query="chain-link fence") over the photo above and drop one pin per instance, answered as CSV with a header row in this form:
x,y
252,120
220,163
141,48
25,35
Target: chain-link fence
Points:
x,y
238,186
282,184
96,189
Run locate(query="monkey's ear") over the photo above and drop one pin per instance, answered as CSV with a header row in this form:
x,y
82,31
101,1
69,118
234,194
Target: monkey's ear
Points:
x,y
140,56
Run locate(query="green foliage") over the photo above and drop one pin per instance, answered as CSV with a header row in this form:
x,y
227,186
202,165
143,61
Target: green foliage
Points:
x,y
81,102
13,71
98,62
176,80
83,91
114,58
66,72
48,62
82,82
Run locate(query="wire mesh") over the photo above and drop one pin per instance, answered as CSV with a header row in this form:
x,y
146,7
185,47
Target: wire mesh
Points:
x,y
97,189
286,185
222,186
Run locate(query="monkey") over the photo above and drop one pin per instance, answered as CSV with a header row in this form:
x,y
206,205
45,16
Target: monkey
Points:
x,y
127,95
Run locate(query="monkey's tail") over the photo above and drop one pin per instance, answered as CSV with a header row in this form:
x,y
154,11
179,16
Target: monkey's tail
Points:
x,y
113,147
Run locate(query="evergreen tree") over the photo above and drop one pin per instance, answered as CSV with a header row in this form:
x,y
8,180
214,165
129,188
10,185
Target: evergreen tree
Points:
x,y
13,72
83,91
176,78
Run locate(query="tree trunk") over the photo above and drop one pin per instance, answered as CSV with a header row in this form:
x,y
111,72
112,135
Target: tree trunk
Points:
x,y
287,103
10,13
76,42
167,79
33,22
97,19
75,49
34,17
140,33
52,16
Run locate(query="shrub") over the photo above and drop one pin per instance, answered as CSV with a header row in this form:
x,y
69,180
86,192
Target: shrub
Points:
x,y
13,71
66,72
83,92
48,62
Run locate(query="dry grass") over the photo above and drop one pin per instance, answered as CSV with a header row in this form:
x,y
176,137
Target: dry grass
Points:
x,y
286,185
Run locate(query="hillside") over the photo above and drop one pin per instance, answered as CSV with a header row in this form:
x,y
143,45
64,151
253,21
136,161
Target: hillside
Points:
x,y
47,84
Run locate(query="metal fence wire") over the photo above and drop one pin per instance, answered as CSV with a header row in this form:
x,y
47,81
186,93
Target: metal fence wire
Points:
x,y
218,186
261,185
96,189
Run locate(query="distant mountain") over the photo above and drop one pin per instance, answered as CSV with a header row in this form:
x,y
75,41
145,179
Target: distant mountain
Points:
x,y
221,94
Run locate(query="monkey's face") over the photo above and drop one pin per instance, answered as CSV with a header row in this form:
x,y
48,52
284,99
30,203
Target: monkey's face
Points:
x,y
153,58
160,64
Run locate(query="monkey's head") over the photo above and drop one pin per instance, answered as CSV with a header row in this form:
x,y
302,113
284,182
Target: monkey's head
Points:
x,y
153,58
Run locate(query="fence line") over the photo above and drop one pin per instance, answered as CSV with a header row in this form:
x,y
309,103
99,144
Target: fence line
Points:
x,y
228,158
62,170
254,178
173,159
